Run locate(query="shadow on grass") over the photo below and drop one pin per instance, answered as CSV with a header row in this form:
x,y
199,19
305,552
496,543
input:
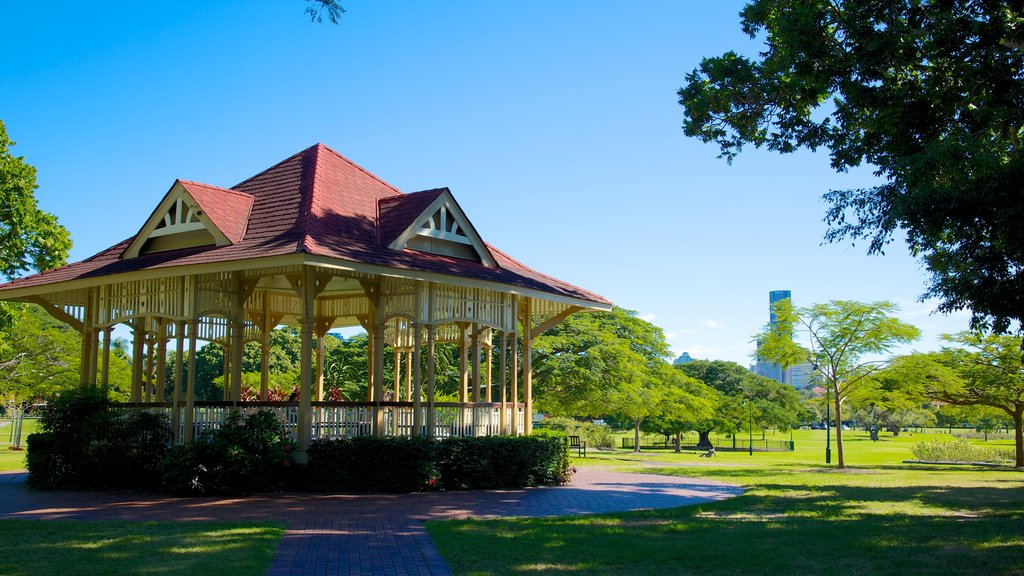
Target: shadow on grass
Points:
x,y
30,548
793,519
777,528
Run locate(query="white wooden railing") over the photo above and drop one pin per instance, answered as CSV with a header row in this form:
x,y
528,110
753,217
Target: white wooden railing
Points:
x,y
348,419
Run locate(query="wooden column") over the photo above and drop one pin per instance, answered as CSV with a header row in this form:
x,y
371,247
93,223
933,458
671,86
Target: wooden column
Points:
x,y
179,358
431,416
397,375
94,349
417,405
150,353
475,341
528,366
409,360
84,363
307,294
161,362
190,394
265,366
378,378
237,351
321,350
267,324
503,418
514,371
369,363
489,379
106,361
138,350
226,351
475,410
463,361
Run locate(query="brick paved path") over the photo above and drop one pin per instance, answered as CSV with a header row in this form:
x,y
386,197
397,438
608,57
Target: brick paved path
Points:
x,y
375,534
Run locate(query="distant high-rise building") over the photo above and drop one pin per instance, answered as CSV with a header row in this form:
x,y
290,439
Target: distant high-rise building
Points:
x,y
683,359
800,376
767,369
773,297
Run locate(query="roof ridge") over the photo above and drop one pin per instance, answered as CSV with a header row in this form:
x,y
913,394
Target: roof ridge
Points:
x,y
262,172
307,190
410,194
221,188
358,167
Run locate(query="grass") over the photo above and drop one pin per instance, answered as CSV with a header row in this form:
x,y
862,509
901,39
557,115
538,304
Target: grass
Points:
x,y
32,547
71,548
797,516
14,459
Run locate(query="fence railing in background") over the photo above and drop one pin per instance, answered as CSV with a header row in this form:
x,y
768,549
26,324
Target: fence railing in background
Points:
x,y
720,444
348,419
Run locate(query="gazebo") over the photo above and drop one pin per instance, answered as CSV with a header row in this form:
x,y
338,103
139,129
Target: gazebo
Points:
x,y
314,242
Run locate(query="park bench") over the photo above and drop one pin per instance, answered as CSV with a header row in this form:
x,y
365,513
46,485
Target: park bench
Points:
x,y
581,447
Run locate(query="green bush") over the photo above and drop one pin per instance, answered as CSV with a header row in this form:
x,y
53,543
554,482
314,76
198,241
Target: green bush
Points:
x,y
504,461
247,454
368,464
958,450
595,435
85,444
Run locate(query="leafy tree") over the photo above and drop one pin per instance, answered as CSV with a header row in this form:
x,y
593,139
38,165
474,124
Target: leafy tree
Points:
x,y
40,357
982,370
845,338
30,238
635,399
928,93
581,365
685,402
775,404
318,9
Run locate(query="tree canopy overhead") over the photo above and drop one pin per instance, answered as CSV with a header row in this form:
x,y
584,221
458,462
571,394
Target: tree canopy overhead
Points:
x,y
928,93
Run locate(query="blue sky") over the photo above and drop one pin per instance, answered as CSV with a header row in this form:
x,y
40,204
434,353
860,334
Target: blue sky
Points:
x,y
555,124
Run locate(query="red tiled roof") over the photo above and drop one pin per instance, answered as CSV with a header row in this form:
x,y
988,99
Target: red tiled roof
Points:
x,y
227,209
316,202
396,213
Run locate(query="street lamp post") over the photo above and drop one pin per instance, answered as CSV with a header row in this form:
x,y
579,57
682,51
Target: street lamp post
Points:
x,y
828,426
750,429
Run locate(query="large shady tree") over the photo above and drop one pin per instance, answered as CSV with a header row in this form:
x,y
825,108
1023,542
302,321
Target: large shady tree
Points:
x,y
928,93
979,370
846,344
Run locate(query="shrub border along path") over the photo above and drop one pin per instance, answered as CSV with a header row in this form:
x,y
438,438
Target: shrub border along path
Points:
x,y
367,533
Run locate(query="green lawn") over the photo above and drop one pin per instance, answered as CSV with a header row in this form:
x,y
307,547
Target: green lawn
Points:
x,y
32,547
797,517
13,459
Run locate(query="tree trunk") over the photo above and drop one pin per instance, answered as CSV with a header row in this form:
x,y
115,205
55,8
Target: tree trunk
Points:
x,y
678,442
1018,438
704,439
895,431
636,436
839,429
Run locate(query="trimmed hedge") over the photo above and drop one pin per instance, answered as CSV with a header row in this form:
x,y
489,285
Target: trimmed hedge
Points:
x,y
368,464
83,444
247,454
